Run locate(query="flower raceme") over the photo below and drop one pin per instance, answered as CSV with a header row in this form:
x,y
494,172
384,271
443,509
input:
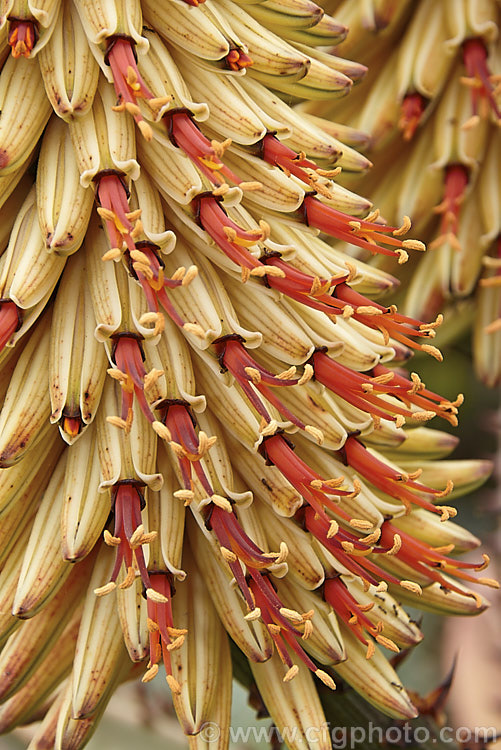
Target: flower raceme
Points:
x,y
206,278
479,79
433,131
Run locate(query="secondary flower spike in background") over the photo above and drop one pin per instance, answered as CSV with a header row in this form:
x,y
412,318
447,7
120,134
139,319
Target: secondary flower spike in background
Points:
x,y
206,430
431,108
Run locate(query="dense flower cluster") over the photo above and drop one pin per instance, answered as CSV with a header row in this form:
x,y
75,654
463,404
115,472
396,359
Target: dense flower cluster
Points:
x,y
205,428
432,110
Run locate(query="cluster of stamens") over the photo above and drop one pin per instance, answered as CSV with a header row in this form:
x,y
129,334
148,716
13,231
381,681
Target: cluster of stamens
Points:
x,y
128,536
163,636
455,184
129,85
485,87
22,37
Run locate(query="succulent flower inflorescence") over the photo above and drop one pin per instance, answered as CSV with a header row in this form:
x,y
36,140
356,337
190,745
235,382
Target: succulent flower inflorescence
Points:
x,y
432,112
172,311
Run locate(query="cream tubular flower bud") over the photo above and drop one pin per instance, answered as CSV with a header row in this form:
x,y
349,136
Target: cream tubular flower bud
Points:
x,y
28,274
294,703
131,606
125,455
64,206
43,571
69,69
99,649
251,636
85,509
202,664
33,698
26,408
24,110
189,28
162,75
166,515
35,469
104,19
374,678
77,367
104,139
36,637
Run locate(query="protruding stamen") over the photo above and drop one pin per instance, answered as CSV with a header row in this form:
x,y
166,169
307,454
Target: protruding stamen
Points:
x,y
354,615
129,85
188,446
128,357
364,390
455,183
291,673
484,86
113,197
352,552
206,155
411,112
233,538
432,562
254,614
252,377
128,535
363,233
106,589
285,633
163,636
280,155
317,492
237,59
147,266
389,480
231,238
389,321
